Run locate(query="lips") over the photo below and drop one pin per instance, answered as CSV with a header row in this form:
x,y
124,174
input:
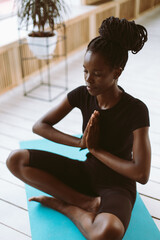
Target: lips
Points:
x,y
89,87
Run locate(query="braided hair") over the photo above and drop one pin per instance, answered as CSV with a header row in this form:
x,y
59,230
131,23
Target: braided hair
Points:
x,y
117,37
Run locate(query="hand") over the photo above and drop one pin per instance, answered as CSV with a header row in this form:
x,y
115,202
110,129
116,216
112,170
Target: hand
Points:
x,y
93,132
82,143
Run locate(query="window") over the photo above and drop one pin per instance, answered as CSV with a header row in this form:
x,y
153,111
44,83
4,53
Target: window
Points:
x,y
7,8
73,2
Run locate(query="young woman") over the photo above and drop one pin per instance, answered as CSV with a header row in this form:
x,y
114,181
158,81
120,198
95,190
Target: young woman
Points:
x,y
98,194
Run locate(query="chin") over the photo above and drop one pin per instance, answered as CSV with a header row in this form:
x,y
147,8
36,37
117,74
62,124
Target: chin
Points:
x,y
91,91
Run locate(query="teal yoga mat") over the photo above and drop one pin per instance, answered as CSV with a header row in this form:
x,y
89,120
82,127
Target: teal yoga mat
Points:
x,y
47,224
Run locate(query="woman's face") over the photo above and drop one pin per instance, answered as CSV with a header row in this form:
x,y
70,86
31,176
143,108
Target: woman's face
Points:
x,y
99,76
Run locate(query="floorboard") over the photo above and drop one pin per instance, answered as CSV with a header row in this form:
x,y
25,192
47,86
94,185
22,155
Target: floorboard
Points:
x,y
150,189
152,206
13,194
14,217
11,233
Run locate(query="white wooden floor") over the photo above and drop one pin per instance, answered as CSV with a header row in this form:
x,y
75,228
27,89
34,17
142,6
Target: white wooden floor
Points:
x,y
18,114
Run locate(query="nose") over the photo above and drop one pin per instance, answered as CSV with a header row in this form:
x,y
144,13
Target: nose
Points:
x,y
89,78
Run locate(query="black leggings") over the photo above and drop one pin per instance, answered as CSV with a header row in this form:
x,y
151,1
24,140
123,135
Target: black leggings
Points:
x,y
114,199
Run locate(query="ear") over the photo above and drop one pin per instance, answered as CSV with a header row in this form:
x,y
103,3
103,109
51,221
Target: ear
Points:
x,y
117,72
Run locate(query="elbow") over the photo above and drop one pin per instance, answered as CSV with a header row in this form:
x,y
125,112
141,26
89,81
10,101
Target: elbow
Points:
x,y
41,128
143,178
36,127
141,174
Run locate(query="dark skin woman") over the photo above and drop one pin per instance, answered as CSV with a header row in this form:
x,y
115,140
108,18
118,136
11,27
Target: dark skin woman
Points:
x,y
115,131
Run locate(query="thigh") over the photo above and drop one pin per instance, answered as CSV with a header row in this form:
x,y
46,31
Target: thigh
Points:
x,y
119,202
71,172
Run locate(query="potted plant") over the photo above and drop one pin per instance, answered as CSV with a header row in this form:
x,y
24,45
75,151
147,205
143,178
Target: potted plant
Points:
x,y
41,16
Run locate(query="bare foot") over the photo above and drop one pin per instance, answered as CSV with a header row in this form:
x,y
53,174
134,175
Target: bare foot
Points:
x,y
50,202
76,214
90,206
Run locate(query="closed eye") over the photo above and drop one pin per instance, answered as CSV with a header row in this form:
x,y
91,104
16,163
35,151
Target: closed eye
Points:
x,y
97,74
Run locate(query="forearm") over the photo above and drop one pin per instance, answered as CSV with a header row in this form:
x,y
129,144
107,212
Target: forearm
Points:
x,y
124,167
47,131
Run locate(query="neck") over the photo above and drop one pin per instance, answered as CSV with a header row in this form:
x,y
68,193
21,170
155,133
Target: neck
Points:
x,y
109,98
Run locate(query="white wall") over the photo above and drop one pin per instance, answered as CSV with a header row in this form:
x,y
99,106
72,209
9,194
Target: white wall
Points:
x,y
73,2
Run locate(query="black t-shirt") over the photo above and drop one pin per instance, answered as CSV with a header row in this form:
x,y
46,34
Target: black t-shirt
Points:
x,y
116,127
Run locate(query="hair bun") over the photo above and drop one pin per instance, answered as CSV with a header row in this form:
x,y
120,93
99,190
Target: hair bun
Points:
x,y
127,34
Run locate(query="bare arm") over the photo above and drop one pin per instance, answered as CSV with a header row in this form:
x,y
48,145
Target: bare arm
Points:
x,y
139,168
44,126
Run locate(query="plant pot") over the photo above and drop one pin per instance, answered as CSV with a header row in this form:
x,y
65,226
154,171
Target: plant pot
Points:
x,y
42,47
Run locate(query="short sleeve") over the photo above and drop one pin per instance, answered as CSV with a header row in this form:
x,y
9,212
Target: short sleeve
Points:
x,y
76,97
140,116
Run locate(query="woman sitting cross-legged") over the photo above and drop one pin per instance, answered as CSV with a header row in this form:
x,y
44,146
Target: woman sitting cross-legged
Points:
x,y
98,194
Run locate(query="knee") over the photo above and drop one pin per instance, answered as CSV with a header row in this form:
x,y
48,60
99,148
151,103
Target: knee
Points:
x,y
111,229
114,230
17,159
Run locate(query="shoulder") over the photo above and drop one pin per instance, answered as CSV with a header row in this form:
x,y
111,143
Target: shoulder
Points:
x,y
81,88
137,112
135,103
77,95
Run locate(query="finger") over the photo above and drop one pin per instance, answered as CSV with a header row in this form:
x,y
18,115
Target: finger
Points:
x,y
36,199
88,125
96,114
89,128
90,120
33,199
94,129
94,119
90,138
93,116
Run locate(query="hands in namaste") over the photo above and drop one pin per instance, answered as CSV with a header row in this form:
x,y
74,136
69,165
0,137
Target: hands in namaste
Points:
x,y
90,137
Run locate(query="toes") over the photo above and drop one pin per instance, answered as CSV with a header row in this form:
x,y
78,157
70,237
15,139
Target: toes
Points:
x,y
40,199
33,199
